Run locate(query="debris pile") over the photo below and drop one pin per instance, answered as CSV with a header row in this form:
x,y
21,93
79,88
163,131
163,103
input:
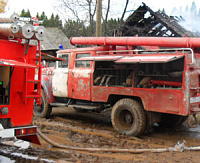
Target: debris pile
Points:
x,y
145,22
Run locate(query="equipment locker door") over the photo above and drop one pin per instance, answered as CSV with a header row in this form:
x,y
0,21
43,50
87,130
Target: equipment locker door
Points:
x,y
81,75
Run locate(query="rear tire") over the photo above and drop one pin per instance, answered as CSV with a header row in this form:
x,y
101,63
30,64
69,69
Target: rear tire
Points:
x,y
149,123
43,111
128,117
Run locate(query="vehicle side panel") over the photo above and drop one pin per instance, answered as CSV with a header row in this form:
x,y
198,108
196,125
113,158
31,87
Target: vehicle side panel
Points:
x,y
159,100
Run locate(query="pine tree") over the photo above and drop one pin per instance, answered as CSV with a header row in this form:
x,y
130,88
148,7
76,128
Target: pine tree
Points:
x,y
22,13
25,13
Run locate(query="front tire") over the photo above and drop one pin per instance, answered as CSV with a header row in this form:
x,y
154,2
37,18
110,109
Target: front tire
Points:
x,y
43,111
128,117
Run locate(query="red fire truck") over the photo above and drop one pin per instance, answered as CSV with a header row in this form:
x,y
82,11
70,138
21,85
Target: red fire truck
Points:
x,y
144,80
17,78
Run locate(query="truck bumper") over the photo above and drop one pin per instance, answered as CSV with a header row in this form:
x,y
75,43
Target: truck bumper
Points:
x,y
28,133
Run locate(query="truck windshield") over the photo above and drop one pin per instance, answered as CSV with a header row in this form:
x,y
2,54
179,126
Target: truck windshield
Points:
x,y
63,64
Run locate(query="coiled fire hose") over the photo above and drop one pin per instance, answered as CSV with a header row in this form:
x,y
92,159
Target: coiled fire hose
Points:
x,y
180,147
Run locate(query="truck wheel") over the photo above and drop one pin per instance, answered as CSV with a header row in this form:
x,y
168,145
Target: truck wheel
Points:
x,y
170,120
128,117
43,111
149,122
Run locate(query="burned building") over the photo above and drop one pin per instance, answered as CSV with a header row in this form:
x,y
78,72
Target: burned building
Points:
x,y
145,22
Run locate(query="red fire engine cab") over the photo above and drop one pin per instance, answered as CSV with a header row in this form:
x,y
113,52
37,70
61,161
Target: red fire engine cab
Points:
x,y
143,80
18,63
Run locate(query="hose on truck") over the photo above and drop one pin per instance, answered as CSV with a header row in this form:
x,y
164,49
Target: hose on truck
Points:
x,y
180,147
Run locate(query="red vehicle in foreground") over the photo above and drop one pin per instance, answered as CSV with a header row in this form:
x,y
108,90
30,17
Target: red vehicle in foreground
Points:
x,y
144,80
17,78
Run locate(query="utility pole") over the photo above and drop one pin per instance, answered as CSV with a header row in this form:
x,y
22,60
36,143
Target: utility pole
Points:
x,y
99,15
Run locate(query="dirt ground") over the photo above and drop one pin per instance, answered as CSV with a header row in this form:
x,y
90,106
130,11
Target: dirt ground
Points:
x,y
94,130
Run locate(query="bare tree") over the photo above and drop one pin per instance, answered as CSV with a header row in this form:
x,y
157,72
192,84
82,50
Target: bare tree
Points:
x,y
106,17
122,17
91,13
72,6
80,9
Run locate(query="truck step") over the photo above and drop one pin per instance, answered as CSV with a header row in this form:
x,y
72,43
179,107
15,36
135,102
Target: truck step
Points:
x,y
58,104
86,107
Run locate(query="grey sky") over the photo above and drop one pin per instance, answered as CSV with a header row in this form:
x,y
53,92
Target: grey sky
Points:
x,y
115,11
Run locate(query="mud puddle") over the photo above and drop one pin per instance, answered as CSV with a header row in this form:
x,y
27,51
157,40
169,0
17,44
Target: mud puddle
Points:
x,y
94,130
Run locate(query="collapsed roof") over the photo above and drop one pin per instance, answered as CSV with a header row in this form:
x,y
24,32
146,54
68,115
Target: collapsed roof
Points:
x,y
146,22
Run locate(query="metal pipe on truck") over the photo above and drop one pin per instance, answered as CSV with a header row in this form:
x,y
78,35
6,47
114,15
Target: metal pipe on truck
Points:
x,y
40,32
12,30
20,27
139,41
6,19
8,29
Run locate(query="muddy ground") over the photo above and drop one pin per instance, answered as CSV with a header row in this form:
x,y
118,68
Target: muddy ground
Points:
x,y
94,130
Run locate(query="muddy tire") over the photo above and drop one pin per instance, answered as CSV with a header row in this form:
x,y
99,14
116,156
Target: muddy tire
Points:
x,y
149,122
43,111
128,117
171,121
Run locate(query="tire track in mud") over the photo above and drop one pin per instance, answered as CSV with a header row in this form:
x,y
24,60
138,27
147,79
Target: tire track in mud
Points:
x,y
91,137
95,130
32,155
42,155
67,133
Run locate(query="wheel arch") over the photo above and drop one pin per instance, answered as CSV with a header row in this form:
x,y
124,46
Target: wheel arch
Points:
x,y
112,99
48,92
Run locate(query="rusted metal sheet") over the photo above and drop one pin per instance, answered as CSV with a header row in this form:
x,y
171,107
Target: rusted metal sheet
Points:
x,y
159,100
100,58
152,58
81,83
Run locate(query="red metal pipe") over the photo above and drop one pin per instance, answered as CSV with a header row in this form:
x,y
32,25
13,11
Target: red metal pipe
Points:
x,y
184,42
162,82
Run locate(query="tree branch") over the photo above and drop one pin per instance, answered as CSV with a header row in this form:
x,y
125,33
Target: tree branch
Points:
x,y
121,20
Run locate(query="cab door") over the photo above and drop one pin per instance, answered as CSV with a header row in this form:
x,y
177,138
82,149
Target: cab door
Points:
x,y
81,75
60,77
